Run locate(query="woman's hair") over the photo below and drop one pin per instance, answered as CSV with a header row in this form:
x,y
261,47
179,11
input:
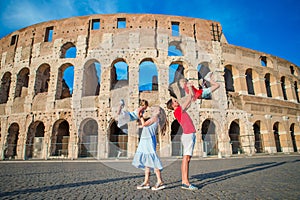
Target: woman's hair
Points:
x,y
163,122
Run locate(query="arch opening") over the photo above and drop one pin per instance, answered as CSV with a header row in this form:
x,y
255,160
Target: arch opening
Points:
x,y
210,145
234,134
60,139
88,139
11,146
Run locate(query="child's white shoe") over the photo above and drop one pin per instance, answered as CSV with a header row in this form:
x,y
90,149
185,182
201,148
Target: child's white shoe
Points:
x,y
122,102
207,76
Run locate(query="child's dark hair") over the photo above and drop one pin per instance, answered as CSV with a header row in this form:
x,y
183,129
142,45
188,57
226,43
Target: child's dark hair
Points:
x,y
143,102
169,104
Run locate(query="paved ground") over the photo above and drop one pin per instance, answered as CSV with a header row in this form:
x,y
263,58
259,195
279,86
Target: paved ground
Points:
x,y
263,177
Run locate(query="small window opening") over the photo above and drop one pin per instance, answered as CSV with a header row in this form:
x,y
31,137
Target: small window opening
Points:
x,y
95,24
268,85
292,70
283,88
49,34
296,91
263,61
175,28
13,40
121,23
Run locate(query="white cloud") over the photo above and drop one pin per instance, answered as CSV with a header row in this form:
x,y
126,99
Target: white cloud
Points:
x,y
18,14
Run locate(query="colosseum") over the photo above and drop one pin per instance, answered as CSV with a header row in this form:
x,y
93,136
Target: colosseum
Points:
x,y
62,81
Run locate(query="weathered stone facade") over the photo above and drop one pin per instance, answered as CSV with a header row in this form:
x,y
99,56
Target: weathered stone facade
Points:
x,y
255,110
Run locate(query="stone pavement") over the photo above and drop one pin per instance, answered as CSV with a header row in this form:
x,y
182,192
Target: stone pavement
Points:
x,y
257,177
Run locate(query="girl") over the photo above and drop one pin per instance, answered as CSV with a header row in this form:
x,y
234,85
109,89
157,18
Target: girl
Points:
x,y
146,156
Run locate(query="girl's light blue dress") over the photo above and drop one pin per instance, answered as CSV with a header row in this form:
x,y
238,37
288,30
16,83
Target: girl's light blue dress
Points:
x,y
146,155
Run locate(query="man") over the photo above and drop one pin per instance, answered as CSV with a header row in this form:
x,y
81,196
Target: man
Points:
x,y
188,136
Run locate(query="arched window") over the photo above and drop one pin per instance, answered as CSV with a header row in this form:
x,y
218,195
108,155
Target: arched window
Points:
x,y
60,138
277,136
148,76
258,137
119,75
176,72
22,83
5,87
293,137
88,139
296,91
282,80
68,50
176,133
249,81
268,85
208,132
234,134
42,79
118,141
228,77
65,81
12,141
91,79
35,139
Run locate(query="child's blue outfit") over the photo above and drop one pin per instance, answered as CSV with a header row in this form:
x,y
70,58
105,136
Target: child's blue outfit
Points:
x,y
126,116
146,155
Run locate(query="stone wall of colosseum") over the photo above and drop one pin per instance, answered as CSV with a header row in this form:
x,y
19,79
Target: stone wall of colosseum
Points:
x,y
256,109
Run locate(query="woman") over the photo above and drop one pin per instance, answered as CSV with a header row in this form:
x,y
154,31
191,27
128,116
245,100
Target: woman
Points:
x,y
146,157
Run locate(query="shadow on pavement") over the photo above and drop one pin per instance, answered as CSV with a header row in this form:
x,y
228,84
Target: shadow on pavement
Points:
x,y
68,185
227,174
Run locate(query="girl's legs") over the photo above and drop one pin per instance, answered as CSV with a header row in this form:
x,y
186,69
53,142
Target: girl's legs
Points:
x,y
159,185
147,176
146,184
158,176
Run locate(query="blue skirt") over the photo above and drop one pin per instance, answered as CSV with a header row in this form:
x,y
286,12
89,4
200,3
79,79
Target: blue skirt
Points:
x,y
146,155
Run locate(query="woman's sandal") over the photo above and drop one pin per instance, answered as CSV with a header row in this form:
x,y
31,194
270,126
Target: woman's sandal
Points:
x,y
158,186
143,186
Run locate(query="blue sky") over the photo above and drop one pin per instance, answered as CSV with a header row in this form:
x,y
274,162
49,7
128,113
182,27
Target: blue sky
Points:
x,y
270,26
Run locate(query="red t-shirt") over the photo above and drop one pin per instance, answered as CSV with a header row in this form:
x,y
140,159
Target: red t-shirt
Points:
x,y
184,120
197,93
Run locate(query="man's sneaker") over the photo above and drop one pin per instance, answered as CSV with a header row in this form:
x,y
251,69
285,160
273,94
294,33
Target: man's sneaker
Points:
x,y
189,187
143,186
158,186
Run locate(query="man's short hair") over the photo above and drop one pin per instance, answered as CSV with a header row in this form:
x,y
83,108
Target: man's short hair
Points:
x,y
169,104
